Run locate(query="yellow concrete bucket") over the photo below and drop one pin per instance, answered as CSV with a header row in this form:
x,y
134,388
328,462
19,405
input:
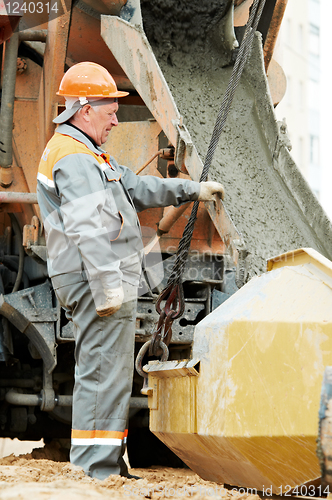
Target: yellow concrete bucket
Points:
x,y
244,410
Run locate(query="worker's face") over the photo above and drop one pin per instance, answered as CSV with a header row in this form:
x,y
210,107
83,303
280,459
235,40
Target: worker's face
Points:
x,y
102,119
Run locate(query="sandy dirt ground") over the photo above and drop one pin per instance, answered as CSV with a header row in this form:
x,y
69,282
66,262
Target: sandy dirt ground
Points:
x,y
43,475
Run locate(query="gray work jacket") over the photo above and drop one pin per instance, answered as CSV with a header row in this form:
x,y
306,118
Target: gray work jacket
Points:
x,y
89,206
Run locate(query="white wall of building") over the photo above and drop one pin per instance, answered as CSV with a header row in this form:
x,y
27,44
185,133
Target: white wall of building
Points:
x,y
325,99
291,54
303,50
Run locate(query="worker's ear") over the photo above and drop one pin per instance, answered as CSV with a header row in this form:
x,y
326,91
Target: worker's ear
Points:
x,y
85,112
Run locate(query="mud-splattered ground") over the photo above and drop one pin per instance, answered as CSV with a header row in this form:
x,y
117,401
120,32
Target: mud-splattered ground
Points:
x,y
36,476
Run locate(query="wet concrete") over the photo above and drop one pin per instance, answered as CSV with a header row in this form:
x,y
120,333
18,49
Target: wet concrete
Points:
x,y
266,195
173,24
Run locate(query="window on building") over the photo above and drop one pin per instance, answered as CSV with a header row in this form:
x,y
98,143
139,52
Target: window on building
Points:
x,y
314,50
288,31
313,93
314,39
289,91
314,149
301,96
300,39
314,121
314,11
301,153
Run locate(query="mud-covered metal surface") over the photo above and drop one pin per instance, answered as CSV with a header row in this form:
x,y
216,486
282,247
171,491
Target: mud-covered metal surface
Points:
x,y
266,195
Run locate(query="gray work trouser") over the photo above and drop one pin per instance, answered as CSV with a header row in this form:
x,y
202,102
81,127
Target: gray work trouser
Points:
x,y
104,356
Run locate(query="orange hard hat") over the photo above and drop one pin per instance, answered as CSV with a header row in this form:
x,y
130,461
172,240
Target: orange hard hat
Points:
x,y
88,79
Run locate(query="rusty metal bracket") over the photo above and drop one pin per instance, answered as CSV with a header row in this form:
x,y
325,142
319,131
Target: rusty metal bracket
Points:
x,y
53,69
33,239
31,232
184,145
273,30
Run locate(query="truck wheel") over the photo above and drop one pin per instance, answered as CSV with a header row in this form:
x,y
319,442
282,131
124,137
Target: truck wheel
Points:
x,y
324,440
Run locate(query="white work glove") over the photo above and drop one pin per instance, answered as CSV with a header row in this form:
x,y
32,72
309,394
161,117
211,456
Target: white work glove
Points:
x,y
114,299
209,190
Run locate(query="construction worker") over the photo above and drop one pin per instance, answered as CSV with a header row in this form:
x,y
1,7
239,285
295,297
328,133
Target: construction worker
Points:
x,y
89,206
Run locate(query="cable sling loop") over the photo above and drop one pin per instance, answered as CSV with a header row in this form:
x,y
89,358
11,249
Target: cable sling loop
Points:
x,y
173,292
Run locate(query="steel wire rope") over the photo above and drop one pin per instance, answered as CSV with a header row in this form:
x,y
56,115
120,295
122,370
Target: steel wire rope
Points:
x,y
184,245
173,292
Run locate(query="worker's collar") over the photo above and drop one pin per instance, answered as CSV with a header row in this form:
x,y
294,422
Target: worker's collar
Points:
x,y
86,135
79,135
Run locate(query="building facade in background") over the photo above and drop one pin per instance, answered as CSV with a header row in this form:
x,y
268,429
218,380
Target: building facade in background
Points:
x,y
298,52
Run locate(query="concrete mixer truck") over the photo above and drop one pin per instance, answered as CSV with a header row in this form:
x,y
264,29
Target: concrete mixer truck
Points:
x,y
175,59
